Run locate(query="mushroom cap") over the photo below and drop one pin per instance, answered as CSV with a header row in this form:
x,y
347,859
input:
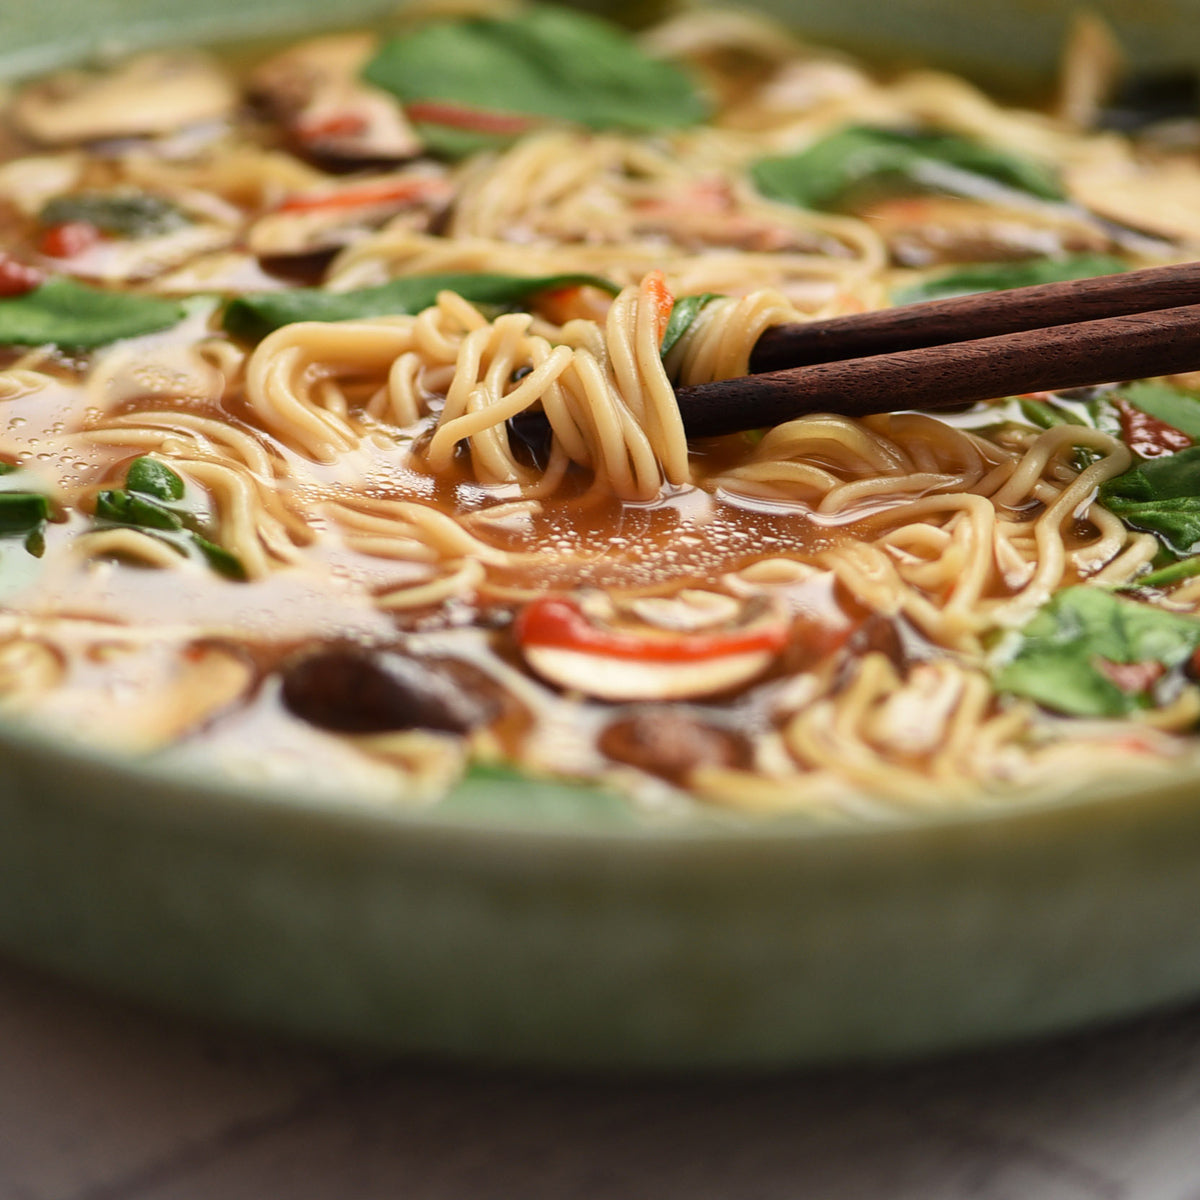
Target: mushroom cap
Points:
x,y
151,94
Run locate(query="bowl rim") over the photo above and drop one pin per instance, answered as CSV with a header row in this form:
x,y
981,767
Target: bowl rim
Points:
x,y
619,822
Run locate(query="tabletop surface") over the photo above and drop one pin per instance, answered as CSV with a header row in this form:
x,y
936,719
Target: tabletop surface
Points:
x,y
101,1100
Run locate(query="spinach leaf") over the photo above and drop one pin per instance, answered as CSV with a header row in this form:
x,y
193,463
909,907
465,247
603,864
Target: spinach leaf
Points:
x,y
685,311
1045,415
1161,496
836,171
253,317
72,314
152,478
999,277
123,507
1168,576
154,501
122,214
544,62
1171,405
1060,657
23,512
498,793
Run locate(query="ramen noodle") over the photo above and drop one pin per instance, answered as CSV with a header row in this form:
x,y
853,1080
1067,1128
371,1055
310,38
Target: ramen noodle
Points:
x,y
340,447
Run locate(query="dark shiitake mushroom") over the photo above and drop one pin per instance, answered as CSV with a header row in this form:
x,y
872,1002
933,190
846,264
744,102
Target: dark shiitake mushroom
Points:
x,y
329,115
672,743
353,690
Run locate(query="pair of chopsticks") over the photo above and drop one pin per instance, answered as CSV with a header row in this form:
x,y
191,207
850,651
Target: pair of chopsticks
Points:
x,y
945,353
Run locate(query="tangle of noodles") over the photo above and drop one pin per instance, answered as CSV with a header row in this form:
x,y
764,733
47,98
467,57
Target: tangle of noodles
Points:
x,y
815,617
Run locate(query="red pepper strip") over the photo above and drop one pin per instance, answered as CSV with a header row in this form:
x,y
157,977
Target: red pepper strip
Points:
x,y
660,294
16,279
474,120
395,191
1132,678
559,622
1147,436
68,239
333,126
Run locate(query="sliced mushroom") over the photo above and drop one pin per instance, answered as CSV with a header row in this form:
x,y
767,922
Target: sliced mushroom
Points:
x,y
1160,198
313,89
150,95
709,215
140,698
586,645
353,690
132,260
672,744
924,231
28,183
333,216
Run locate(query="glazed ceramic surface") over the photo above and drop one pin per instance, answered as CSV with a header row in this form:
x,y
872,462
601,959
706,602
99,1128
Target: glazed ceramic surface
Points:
x,y
540,923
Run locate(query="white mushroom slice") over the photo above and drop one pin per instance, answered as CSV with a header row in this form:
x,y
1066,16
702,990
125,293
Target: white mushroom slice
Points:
x,y
1161,198
569,643
629,679
913,719
923,231
315,91
224,271
331,217
141,698
28,669
690,610
28,183
119,260
152,94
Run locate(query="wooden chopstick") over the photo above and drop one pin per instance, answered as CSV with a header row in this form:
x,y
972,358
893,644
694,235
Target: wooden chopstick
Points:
x,y
1078,354
965,318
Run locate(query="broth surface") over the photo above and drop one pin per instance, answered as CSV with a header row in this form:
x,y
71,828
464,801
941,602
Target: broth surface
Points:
x,y
380,479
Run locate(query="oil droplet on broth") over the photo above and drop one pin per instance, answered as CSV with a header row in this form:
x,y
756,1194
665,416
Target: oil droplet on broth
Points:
x,y
690,537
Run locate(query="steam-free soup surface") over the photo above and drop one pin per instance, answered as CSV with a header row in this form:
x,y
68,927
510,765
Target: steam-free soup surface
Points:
x,y
340,446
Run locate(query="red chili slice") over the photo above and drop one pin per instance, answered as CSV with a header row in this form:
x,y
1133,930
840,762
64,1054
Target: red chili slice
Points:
x,y
396,191
656,285
473,120
559,622
1147,436
1132,678
337,125
68,239
16,279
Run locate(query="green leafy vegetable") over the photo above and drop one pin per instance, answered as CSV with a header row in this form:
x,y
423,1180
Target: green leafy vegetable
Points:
x,y
1161,496
122,214
22,512
253,317
152,478
496,792
1045,415
544,62
999,277
1062,653
685,311
128,508
1168,576
154,500
67,313
836,171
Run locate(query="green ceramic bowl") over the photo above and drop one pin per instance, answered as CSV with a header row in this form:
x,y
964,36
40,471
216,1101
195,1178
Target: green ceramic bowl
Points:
x,y
539,923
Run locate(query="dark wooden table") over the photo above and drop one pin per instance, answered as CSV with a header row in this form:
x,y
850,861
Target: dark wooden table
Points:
x,y
100,1100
